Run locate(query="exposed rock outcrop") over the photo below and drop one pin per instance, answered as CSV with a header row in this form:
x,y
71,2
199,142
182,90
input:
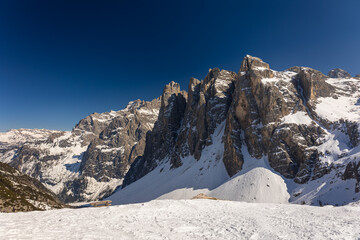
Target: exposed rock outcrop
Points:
x,y
313,84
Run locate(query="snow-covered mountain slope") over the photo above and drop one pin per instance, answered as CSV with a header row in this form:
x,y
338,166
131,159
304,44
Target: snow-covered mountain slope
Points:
x,y
186,219
90,161
256,183
258,136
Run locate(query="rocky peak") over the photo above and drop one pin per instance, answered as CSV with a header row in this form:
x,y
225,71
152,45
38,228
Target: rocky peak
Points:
x,y
134,105
252,70
171,90
339,73
250,62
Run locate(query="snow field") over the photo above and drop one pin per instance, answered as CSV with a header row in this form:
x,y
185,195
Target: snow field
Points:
x,y
186,219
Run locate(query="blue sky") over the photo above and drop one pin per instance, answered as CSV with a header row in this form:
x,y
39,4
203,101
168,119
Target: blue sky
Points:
x,y
62,60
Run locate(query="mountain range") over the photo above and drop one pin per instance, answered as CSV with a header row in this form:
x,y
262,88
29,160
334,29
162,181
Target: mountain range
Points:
x,y
258,135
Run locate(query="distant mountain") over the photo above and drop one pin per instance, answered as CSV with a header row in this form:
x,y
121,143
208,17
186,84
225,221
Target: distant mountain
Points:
x,y
90,161
15,138
19,192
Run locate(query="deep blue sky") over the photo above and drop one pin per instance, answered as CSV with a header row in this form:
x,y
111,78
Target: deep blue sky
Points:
x,y
62,60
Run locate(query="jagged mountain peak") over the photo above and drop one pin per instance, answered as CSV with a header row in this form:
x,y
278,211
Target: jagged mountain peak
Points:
x,y
171,88
250,62
339,73
171,96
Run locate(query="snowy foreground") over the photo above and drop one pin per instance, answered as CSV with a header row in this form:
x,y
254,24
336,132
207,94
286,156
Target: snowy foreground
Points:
x,y
186,219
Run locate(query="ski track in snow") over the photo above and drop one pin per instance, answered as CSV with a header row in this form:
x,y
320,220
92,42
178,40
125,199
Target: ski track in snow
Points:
x,y
186,219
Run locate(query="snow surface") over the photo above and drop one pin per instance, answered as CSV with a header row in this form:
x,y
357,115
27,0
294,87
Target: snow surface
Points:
x,y
256,182
297,118
186,219
346,106
285,76
335,109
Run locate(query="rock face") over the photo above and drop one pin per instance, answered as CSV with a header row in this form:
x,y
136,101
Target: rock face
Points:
x,y
19,192
196,120
263,114
339,73
91,161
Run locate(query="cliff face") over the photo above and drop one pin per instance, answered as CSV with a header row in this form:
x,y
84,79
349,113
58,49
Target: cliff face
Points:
x,y
160,141
253,104
283,118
